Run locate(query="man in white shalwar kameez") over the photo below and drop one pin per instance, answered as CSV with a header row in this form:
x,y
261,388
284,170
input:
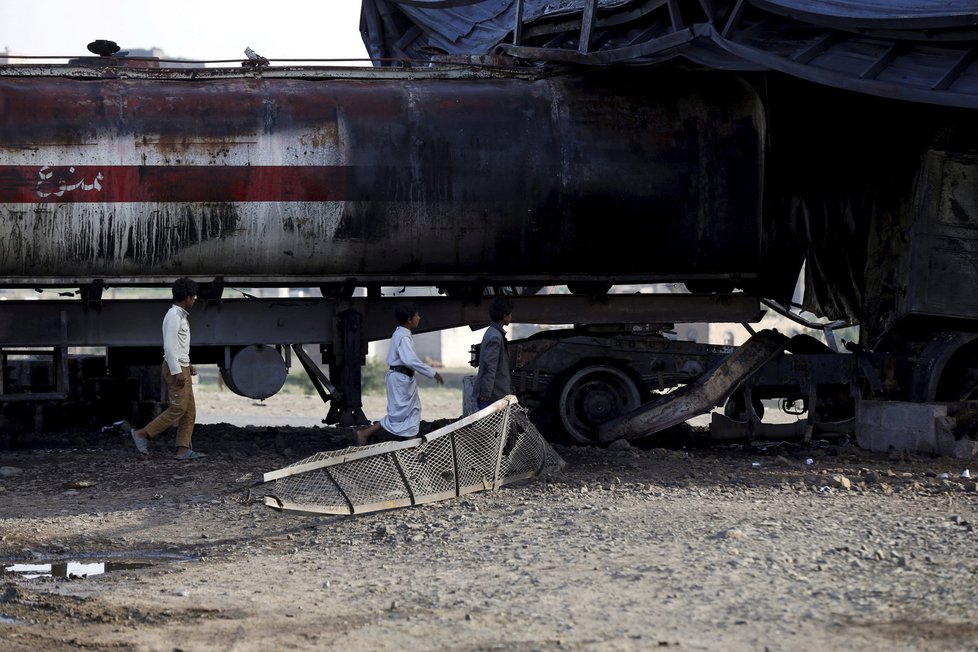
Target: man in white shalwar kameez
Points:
x,y
403,418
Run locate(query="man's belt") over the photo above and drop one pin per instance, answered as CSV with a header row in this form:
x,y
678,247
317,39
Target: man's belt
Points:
x,y
401,369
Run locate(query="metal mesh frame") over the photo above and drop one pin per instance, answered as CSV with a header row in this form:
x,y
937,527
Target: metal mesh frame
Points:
x,y
481,452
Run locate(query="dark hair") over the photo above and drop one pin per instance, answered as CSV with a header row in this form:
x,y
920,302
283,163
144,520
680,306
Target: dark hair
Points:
x,y
500,308
404,311
183,288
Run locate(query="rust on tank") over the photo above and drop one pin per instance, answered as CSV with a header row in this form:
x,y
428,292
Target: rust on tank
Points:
x,y
210,147
321,137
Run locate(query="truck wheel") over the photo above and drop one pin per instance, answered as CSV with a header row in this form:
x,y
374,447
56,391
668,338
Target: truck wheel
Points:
x,y
592,396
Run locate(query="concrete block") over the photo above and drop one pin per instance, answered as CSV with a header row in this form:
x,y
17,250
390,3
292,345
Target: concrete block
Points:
x,y
912,427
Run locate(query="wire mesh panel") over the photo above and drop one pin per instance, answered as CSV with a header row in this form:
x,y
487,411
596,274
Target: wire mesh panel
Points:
x,y
523,453
430,469
483,451
477,451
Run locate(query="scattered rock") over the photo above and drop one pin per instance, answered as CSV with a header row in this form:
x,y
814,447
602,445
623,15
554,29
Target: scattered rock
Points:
x,y
78,484
699,525
731,533
839,482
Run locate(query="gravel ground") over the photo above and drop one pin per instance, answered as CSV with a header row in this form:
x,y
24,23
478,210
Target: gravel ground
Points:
x,y
735,548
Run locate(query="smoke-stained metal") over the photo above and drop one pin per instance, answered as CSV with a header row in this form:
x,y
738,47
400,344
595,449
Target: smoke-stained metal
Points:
x,y
390,177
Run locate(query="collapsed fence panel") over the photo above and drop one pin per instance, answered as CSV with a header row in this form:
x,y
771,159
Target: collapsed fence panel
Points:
x,y
485,450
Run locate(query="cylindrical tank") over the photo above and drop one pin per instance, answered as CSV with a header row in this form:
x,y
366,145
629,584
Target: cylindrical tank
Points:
x,y
421,177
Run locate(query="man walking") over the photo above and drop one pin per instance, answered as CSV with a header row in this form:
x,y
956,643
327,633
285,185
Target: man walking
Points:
x,y
177,373
492,382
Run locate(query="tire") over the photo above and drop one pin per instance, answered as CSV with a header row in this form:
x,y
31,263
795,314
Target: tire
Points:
x,y
592,396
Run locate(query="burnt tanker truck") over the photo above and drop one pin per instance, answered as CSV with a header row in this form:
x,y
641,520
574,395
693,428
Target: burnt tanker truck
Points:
x,y
717,145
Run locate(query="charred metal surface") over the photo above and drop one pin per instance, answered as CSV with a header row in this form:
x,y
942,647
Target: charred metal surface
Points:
x,y
883,223
320,179
887,221
943,250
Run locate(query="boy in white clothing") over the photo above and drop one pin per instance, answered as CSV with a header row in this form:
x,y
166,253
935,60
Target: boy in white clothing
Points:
x,y
403,418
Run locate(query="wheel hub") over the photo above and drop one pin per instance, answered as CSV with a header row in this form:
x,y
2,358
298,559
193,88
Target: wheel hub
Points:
x,y
594,396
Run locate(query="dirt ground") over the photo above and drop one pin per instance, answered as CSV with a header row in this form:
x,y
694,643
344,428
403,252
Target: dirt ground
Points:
x,y
736,547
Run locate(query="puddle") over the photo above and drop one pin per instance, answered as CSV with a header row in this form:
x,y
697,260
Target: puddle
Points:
x,y
87,568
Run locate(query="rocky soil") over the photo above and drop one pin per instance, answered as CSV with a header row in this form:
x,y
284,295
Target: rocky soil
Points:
x,y
736,547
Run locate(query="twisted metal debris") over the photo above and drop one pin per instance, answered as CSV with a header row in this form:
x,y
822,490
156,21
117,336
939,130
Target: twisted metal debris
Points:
x,y
482,452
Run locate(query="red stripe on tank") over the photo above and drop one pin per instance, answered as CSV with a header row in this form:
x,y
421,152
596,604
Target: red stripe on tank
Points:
x,y
171,183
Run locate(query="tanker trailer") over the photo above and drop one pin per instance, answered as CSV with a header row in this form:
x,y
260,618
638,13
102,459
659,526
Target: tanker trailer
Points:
x,y
459,177
868,175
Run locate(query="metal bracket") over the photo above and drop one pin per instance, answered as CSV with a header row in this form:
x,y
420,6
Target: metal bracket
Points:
x,y
91,294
